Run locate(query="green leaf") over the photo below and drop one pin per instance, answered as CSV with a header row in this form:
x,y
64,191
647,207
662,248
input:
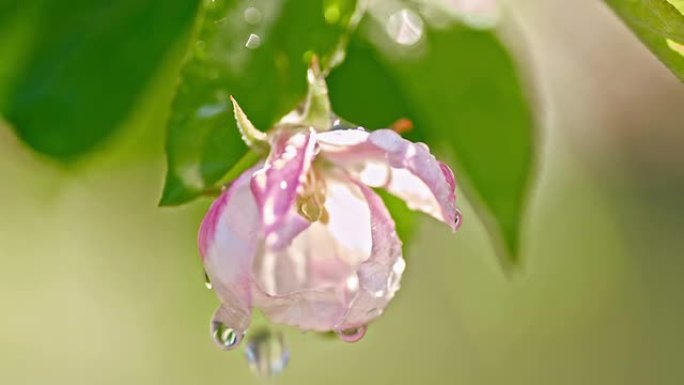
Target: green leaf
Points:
x,y
257,52
404,218
660,26
82,65
462,91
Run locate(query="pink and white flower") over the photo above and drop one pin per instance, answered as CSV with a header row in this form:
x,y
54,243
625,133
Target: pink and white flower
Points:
x,y
303,236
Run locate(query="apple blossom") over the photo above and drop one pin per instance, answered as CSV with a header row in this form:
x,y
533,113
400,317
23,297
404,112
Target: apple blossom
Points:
x,y
303,236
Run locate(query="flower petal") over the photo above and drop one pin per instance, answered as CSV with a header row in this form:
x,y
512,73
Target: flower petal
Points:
x,y
310,283
292,225
228,240
336,275
379,276
275,185
408,170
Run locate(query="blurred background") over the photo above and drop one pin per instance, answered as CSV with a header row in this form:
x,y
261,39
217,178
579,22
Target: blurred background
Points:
x,y
99,285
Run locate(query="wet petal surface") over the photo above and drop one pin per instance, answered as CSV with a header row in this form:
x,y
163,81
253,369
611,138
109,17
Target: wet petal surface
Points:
x,y
383,158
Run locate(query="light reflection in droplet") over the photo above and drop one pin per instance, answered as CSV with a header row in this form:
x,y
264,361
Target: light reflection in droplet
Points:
x,y
224,336
405,27
253,42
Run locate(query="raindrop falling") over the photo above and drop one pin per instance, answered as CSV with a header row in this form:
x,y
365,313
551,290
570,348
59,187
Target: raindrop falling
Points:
x,y
354,334
266,352
405,27
207,281
253,42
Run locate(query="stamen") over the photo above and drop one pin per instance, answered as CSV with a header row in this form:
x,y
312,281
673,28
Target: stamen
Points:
x,y
402,125
310,209
311,199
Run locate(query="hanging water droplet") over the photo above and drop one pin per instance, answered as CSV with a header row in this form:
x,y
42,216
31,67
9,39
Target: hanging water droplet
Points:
x,y
207,281
253,41
459,219
266,352
405,27
352,334
224,336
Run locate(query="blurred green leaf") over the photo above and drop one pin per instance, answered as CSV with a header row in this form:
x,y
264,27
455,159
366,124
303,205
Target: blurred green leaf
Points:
x,y
404,218
83,65
461,90
258,52
660,25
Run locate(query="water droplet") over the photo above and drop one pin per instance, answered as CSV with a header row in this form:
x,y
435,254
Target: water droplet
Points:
x,y
207,281
266,352
223,335
352,334
283,185
252,15
253,42
405,27
459,220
